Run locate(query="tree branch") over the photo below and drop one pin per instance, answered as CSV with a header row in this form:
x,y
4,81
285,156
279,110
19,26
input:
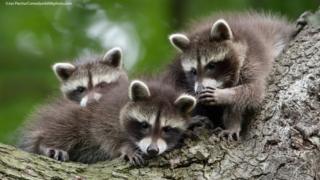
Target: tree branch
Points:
x,y
282,141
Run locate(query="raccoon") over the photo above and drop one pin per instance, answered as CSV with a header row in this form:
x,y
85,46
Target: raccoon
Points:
x,y
148,121
225,61
87,79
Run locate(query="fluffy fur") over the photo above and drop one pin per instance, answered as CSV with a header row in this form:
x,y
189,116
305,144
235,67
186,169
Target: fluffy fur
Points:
x,y
149,121
87,79
225,60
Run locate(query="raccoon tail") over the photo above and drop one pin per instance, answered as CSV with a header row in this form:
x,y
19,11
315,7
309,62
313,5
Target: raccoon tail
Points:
x,y
277,30
282,39
282,32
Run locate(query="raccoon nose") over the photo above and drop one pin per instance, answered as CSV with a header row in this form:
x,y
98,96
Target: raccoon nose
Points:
x,y
152,150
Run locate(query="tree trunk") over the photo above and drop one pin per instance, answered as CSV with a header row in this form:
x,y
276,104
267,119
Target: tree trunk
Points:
x,y
282,141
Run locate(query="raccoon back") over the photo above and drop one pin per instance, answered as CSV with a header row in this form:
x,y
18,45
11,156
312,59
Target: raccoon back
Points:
x,y
274,31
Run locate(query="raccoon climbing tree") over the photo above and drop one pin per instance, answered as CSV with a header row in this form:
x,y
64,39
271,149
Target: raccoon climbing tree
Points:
x,y
282,141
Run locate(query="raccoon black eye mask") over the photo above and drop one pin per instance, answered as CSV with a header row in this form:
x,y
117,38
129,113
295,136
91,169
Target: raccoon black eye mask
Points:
x,y
154,127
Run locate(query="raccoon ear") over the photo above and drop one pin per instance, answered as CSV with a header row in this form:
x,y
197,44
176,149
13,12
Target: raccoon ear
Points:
x,y
138,90
179,41
63,70
221,30
185,103
113,57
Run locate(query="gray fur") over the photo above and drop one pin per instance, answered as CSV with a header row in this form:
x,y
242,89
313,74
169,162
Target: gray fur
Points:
x,y
104,130
241,62
88,78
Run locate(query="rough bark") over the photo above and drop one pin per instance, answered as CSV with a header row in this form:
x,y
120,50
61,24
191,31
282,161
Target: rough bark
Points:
x,y
282,141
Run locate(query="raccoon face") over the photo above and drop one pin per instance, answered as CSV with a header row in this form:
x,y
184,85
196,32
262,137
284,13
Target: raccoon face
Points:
x,y
212,60
155,126
85,83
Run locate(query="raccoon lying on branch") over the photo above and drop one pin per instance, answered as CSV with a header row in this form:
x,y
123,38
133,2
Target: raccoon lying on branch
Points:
x,y
148,121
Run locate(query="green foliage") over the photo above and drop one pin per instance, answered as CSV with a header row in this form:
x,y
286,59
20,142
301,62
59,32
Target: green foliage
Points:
x,y
32,38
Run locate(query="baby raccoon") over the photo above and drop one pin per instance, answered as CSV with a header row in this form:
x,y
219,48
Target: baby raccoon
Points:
x,y
226,59
85,80
147,122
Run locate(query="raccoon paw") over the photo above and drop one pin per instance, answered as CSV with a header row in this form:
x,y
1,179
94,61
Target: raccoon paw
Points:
x,y
232,134
212,96
57,154
135,158
207,96
131,153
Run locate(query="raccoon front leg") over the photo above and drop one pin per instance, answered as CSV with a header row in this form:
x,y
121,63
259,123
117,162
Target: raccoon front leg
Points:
x,y
232,121
54,153
131,153
244,96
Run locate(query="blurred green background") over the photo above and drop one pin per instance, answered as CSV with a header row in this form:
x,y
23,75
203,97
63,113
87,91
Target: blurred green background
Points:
x,y
32,38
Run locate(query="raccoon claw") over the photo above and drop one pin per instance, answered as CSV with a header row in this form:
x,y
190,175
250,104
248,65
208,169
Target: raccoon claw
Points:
x,y
229,135
57,154
136,159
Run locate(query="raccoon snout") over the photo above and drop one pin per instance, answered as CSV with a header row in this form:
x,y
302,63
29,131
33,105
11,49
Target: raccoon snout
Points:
x,y
90,98
152,150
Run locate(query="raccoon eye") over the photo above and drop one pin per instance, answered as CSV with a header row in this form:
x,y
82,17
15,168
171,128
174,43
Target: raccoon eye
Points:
x,y
193,71
211,65
80,89
144,125
102,85
167,129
